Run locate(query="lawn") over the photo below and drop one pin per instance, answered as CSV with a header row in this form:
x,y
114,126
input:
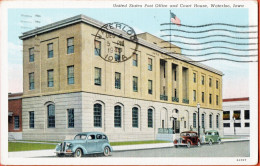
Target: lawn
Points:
x,y
17,146
137,142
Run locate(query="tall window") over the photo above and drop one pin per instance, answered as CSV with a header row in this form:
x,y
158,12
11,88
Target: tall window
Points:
x,y
50,50
175,92
203,121
210,98
175,75
150,87
226,115
135,84
210,82
97,115
118,54
150,118
237,114
210,121
216,99
217,122
31,119
202,80
16,122
70,70
97,76
135,59
202,97
194,95
150,64
117,116
50,78
51,116
217,84
71,118
194,120
247,114
31,81
135,117
97,48
194,77
31,54
117,80
70,45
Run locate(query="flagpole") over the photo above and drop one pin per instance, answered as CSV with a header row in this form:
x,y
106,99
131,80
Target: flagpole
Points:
x,y
170,32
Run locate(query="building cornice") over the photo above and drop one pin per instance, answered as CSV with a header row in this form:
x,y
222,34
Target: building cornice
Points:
x,y
98,24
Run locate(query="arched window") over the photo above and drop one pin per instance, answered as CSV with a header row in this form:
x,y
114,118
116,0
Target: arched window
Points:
x,y
51,116
135,117
117,116
210,121
194,120
203,121
97,115
217,123
150,118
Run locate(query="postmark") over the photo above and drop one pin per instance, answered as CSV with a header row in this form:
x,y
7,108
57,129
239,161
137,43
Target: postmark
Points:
x,y
114,37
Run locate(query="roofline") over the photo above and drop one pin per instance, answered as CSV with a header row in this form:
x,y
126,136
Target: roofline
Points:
x,y
236,99
98,24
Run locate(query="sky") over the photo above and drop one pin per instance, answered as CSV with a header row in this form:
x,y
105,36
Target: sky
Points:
x,y
236,75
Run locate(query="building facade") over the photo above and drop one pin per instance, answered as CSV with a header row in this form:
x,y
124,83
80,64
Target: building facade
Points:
x,y
236,116
15,115
68,88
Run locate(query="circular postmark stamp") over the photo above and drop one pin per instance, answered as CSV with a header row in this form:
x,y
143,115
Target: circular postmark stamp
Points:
x,y
115,42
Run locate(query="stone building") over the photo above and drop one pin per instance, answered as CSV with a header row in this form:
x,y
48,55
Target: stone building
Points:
x,y
68,88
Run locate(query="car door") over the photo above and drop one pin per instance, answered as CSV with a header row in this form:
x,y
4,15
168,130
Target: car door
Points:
x,y
91,143
214,136
100,143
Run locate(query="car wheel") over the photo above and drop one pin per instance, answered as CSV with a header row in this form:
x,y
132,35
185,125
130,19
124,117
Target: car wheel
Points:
x,y
210,142
106,151
219,141
188,144
78,153
176,146
59,155
198,144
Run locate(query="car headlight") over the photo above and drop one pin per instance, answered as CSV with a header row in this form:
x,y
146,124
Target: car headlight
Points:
x,y
68,144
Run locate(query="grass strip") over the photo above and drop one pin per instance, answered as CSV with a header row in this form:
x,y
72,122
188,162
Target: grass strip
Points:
x,y
17,146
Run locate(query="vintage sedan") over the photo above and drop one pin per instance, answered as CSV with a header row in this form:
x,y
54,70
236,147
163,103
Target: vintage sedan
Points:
x,y
211,136
187,138
84,143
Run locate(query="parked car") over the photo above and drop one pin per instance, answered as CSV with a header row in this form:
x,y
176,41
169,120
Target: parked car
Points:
x,y
211,136
187,138
84,143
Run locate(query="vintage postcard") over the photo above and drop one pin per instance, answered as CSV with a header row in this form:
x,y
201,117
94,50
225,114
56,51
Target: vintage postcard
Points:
x,y
129,82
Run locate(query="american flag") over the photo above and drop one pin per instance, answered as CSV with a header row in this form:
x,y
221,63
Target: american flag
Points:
x,y
175,19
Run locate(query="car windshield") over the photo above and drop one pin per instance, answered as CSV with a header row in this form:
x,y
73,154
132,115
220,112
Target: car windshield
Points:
x,y
188,134
80,137
208,133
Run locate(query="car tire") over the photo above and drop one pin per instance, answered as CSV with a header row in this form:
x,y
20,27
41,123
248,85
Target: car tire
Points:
x,y
106,151
198,144
210,142
78,153
59,155
188,144
176,146
219,141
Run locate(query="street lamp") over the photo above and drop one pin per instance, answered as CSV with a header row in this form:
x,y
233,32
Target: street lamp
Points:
x,y
198,106
234,119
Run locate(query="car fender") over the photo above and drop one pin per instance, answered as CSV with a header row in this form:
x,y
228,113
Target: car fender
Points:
x,y
84,150
107,144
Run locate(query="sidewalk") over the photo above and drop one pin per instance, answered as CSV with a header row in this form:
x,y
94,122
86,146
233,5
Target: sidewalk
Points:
x,y
50,152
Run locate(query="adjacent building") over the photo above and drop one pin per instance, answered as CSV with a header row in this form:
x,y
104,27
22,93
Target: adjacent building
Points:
x,y
236,116
68,88
15,115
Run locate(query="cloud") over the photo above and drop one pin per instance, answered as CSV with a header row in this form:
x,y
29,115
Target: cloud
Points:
x,y
15,53
15,78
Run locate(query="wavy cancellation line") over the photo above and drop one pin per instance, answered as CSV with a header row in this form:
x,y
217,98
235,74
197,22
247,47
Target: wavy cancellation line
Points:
x,y
214,41
215,47
203,37
212,24
213,53
224,59
226,30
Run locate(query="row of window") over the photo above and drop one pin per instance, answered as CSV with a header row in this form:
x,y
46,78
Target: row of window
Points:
x,y
202,97
236,125
203,80
97,116
236,115
70,49
203,120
